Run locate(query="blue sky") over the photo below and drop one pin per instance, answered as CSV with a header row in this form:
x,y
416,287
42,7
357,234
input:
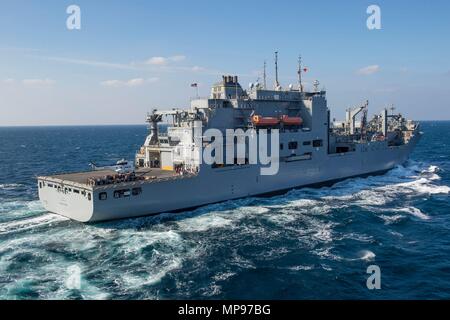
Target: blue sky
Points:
x,y
132,56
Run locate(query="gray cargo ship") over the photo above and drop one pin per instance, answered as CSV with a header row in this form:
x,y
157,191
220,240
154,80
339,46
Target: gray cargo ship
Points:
x,y
169,175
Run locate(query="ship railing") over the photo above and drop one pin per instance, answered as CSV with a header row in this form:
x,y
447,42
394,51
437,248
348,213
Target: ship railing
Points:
x,y
150,179
114,179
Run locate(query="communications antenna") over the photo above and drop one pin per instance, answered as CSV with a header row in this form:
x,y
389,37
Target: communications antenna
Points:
x,y
277,83
265,76
392,108
300,85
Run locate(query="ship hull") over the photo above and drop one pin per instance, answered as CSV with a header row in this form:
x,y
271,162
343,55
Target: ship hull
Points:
x,y
213,185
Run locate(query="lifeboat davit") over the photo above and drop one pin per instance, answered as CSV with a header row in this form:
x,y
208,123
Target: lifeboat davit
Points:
x,y
291,121
265,121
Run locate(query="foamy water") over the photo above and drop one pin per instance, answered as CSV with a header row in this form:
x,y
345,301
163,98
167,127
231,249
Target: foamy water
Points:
x,y
139,254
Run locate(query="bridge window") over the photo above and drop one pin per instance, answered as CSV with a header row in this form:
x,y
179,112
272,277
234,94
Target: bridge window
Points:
x,y
281,146
317,143
89,196
103,196
40,185
136,191
293,145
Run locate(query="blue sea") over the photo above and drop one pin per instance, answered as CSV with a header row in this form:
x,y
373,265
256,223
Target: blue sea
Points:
x,y
306,244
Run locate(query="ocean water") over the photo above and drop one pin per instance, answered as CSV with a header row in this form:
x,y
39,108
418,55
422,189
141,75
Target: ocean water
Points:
x,y
306,244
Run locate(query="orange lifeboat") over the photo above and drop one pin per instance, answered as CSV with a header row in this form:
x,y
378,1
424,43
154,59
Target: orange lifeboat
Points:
x,y
291,121
265,121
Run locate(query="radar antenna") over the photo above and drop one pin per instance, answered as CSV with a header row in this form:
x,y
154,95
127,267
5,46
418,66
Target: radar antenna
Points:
x,y
316,84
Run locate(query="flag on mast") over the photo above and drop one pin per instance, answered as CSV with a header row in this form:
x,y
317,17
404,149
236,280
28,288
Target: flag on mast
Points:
x,y
195,85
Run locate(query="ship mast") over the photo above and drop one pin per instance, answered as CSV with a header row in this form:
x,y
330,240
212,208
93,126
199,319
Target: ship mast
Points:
x,y
392,108
277,83
265,76
300,85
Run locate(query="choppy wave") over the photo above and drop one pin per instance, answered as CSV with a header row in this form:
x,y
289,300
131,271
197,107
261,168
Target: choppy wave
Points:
x,y
29,223
197,253
9,186
367,255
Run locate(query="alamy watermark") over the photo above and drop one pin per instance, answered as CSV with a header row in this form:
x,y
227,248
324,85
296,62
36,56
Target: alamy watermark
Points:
x,y
73,21
374,280
263,148
374,20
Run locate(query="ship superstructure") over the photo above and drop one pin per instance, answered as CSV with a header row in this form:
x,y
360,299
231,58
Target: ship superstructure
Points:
x,y
171,176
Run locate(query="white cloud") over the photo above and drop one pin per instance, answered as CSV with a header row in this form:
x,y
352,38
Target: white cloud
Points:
x,y
38,82
157,61
178,58
368,70
162,61
91,63
197,69
135,82
128,83
111,83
